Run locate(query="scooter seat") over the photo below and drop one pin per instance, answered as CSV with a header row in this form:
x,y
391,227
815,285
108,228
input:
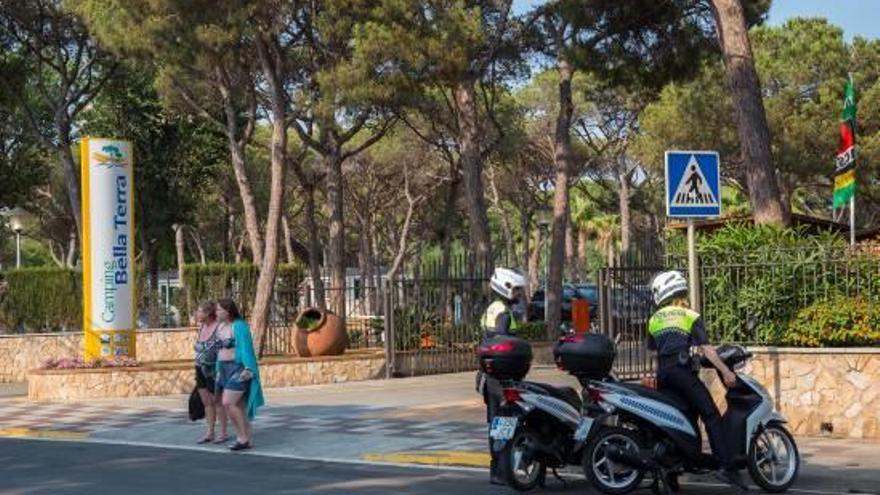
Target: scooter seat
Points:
x,y
565,394
659,397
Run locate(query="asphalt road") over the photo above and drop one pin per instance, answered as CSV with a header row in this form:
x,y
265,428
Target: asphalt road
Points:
x,y
60,468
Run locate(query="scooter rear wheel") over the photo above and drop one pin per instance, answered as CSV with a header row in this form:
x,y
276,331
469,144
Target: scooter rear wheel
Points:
x,y
606,475
773,460
518,465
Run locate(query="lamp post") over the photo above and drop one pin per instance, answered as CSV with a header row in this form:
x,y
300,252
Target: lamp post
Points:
x,y
545,217
15,219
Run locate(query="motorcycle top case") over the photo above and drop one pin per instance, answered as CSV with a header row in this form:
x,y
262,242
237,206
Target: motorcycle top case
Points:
x,y
505,358
585,356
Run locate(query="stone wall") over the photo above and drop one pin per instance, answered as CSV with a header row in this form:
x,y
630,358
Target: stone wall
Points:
x,y
19,353
178,378
820,391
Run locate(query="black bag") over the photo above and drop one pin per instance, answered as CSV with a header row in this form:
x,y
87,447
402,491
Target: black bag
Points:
x,y
196,407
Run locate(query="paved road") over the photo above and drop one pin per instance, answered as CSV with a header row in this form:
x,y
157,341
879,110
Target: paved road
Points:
x,y
428,420
69,468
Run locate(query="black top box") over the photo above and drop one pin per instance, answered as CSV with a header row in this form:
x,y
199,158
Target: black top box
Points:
x,y
505,358
586,356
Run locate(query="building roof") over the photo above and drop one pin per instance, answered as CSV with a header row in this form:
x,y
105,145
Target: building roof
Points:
x,y
810,223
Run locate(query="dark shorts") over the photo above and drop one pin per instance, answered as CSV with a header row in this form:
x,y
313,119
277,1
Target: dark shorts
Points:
x,y
230,377
205,380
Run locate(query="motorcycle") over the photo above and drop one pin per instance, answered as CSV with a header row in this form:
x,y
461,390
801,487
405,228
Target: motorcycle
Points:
x,y
534,431
634,431
540,426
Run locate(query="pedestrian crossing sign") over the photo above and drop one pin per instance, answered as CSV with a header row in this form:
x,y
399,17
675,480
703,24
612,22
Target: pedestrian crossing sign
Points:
x,y
693,184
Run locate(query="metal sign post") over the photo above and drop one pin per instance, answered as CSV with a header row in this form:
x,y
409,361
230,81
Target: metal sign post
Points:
x,y
693,190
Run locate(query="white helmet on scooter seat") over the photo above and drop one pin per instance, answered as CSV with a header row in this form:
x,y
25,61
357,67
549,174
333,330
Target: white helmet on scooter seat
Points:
x,y
505,280
668,285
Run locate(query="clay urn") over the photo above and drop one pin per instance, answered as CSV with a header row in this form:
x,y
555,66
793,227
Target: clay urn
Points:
x,y
319,333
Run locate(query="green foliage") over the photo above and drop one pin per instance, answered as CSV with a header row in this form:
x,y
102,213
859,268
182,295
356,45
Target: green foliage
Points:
x,y
215,281
836,322
802,66
533,331
41,299
756,279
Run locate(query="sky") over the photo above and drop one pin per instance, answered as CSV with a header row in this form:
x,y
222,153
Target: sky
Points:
x,y
856,17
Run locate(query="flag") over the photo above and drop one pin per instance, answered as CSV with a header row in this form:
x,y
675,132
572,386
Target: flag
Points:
x,y
844,173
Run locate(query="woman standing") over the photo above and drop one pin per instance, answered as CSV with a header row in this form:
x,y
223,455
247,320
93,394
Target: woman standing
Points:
x,y
238,379
206,347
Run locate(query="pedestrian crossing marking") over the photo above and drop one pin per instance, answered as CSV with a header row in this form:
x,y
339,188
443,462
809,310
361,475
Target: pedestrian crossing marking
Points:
x,y
693,189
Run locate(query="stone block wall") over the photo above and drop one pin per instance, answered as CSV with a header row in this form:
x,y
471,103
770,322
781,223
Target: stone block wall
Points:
x,y
832,392
178,378
19,353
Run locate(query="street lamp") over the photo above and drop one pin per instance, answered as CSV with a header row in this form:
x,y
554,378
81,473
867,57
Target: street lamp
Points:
x,y
15,219
544,218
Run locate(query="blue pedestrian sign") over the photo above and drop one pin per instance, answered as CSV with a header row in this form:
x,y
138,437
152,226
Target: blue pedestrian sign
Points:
x,y
693,184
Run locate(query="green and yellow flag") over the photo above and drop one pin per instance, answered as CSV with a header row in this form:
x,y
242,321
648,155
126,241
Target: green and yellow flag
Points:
x,y
844,171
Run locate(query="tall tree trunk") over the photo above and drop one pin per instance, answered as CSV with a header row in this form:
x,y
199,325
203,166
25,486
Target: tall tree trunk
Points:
x,y
71,178
754,133
472,168
152,261
582,239
71,250
625,212
534,263
562,159
524,222
336,238
271,62
179,251
315,250
570,264
288,245
237,154
446,240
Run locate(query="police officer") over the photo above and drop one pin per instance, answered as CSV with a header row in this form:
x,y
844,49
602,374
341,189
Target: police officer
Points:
x,y
500,318
673,330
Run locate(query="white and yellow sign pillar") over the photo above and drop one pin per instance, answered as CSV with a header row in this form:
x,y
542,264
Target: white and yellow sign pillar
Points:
x,y
109,306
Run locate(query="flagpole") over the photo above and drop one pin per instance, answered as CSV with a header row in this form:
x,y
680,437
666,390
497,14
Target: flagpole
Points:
x,y
852,220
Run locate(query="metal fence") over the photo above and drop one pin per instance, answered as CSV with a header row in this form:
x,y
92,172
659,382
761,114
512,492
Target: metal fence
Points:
x,y
625,306
754,301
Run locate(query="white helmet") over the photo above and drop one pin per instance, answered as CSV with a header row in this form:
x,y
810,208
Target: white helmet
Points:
x,y
505,280
667,285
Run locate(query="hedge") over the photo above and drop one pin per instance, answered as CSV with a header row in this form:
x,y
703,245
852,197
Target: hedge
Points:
x,y
41,299
837,322
756,280
49,299
237,281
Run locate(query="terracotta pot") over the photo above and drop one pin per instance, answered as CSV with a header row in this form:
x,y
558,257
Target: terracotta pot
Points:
x,y
319,333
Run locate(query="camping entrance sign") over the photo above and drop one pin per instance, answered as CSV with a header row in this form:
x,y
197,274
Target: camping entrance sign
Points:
x,y
693,184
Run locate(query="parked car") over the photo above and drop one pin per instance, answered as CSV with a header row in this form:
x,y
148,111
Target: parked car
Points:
x,y
569,292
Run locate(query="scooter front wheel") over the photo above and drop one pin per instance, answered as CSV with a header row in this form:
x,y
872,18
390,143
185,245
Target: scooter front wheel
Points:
x,y
518,464
773,460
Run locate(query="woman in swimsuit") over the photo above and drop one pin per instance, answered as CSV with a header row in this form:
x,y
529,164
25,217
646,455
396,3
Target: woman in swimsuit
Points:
x,y
206,347
238,376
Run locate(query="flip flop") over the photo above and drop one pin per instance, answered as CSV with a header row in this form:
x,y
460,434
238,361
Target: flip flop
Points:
x,y
206,440
221,440
240,446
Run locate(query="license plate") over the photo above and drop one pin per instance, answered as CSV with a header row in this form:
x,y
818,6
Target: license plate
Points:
x,y
583,428
502,428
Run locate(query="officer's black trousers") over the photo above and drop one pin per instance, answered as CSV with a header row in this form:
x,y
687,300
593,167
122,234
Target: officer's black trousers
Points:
x,y
686,384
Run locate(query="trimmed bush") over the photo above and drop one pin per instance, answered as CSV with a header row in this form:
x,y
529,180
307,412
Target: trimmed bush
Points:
x,y
837,322
41,299
238,281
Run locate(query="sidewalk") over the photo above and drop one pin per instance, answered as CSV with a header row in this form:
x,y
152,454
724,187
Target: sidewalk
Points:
x,y
434,420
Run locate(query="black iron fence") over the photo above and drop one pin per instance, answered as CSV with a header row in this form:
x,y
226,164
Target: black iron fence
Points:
x,y
625,305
